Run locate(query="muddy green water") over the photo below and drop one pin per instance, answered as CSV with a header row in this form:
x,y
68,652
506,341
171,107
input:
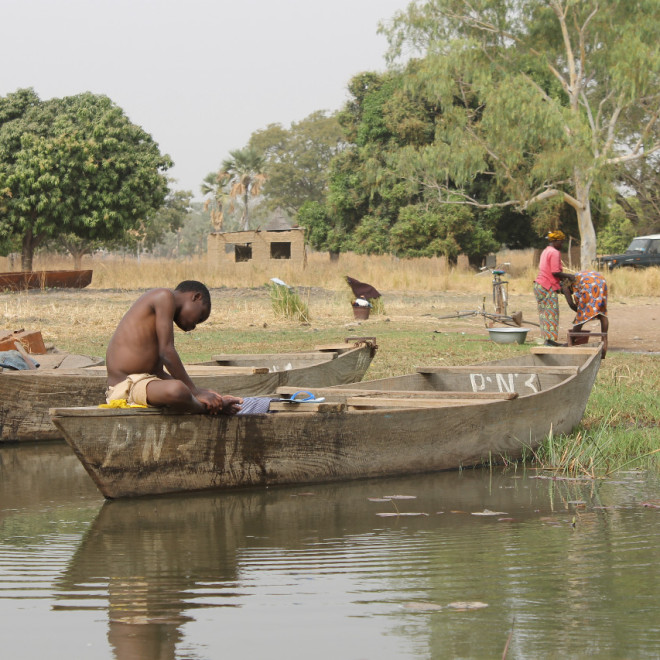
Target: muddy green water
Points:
x,y
563,569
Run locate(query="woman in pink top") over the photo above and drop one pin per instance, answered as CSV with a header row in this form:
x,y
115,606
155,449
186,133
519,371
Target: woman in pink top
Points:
x,y
547,285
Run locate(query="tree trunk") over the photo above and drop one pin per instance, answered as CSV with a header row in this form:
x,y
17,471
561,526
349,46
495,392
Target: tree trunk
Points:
x,y
27,250
334,256
77,259
246,219
586,225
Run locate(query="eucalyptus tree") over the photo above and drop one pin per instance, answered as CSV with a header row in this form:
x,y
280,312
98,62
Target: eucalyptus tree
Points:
x,y
549,98
76,166
243,175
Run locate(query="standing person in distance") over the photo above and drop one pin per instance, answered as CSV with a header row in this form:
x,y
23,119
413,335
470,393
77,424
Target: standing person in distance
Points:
x,y
546,287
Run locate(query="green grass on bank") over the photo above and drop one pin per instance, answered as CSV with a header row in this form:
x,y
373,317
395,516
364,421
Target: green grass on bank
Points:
x,y
621,426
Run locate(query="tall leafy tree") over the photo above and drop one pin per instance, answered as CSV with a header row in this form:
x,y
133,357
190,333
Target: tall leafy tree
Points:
x,y
370,208
547,97
76,166
297,160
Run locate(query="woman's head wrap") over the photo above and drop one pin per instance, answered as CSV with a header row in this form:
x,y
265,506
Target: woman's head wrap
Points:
x,y
556,235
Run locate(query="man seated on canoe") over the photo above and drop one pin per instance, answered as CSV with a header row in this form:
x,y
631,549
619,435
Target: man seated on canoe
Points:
x,y
142,347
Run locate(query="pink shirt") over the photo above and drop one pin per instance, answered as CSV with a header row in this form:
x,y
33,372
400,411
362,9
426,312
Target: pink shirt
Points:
x,y
549,263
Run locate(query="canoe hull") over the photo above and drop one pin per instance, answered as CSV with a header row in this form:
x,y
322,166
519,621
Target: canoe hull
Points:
x,y
129,453
27,396
45,279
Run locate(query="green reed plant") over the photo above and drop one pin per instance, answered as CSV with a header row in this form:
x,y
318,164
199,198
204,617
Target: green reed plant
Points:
x,y
287,303
598,452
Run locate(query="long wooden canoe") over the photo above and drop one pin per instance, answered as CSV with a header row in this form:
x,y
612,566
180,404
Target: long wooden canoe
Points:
x,y
26,396
45,279
438,418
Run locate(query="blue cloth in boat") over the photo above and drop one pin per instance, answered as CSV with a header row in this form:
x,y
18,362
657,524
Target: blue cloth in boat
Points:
x,y
254,405
14,360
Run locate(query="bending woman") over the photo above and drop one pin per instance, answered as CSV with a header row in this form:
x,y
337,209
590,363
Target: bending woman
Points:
x,y
586,295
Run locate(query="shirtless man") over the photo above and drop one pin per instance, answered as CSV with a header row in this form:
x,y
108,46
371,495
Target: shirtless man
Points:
x,y
142,347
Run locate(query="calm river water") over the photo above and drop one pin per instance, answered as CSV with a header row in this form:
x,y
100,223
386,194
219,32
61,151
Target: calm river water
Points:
x,y
562,569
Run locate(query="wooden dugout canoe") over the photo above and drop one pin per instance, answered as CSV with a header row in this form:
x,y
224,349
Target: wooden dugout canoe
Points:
x,y
438,418
45,279
26,396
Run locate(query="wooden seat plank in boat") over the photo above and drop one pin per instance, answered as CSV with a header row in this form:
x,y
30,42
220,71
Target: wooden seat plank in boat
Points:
x,y
275,357
504,369
365,403
413,394
310,406
561,350
203,370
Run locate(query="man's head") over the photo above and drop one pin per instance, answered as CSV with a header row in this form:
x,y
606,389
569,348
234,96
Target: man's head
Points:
x,y
195,304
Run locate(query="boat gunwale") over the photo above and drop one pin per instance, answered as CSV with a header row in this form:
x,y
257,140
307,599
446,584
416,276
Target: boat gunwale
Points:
x,y
96,411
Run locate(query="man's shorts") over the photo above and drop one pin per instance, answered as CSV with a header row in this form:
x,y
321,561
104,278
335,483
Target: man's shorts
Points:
x,y
133,389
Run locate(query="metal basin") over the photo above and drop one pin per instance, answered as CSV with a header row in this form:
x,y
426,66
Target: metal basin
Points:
x,y
508,335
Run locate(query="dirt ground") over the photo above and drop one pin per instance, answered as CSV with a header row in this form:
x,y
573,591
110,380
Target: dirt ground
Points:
x,y
634,323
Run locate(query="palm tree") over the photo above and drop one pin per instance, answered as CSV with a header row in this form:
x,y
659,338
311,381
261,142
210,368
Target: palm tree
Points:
x,y
212,185
244,173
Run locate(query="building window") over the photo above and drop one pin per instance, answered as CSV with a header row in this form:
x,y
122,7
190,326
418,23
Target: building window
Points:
x,y
280,250
243,252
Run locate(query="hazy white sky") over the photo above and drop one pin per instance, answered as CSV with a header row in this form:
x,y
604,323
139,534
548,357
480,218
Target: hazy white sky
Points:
x,y
198,75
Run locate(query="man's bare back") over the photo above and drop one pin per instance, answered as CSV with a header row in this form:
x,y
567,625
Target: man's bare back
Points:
x,y
144,344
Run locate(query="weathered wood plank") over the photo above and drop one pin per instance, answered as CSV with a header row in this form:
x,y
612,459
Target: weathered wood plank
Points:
x,y
566,350
421,394
275,357
323,407
388,402
199,370
504,369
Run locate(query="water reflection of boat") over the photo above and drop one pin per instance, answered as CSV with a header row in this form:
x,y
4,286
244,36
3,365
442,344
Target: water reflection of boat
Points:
x,y
155,563
436,419
26,396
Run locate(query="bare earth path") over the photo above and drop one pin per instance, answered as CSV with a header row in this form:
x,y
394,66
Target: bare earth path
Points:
x,y
634,323
67,314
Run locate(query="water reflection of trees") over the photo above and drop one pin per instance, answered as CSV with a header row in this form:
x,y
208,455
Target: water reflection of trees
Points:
x,y
36,478
157,560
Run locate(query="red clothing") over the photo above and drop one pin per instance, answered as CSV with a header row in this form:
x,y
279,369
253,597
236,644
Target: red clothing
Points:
x,y
549,263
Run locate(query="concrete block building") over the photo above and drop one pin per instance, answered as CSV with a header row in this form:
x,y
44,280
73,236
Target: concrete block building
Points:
x,y
277,241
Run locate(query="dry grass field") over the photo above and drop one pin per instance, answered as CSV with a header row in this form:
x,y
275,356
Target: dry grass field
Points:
x,y
415,293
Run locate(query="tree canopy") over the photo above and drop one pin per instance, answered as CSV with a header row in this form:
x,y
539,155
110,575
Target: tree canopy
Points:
x,y
297,160
549,99
370,208
241,177
76,166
